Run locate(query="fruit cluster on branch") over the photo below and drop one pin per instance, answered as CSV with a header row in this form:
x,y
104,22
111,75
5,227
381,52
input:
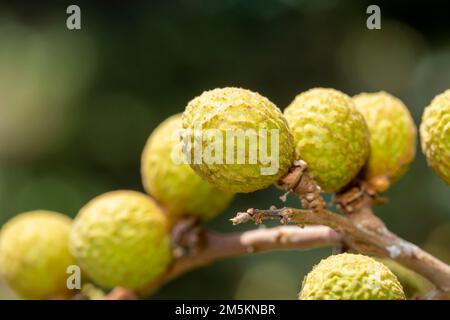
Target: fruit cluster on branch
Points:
x,y
325,141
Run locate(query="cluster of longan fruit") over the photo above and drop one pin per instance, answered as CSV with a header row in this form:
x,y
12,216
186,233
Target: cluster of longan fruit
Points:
x,y
123,238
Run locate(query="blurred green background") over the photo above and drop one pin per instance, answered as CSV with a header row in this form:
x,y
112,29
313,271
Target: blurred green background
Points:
x,y
76,107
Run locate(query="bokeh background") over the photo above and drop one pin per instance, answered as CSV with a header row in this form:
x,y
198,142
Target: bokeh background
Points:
x,y
76,107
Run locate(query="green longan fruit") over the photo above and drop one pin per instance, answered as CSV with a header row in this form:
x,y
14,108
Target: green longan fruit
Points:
x,y
330,135
121,238
435,135
34,254
351,277
392,138
173,183
258,158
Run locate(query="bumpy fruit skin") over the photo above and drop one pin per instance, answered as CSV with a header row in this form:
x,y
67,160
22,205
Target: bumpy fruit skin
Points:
x,y
173,183
435,135
351,277
121,238
330,135
34,254
392,137
234,110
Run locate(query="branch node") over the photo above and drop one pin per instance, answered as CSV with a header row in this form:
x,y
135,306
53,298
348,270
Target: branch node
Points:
x,y
301,182
187,237
356,197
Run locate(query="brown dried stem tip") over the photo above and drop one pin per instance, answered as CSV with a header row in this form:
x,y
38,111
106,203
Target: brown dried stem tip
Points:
x,y
355,197
301,182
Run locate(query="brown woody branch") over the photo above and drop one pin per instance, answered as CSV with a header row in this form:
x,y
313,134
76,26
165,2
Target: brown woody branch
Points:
x,y
362,230
359,233
216,246
222,246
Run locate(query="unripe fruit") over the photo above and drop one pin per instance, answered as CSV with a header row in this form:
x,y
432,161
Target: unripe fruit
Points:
x,y
34,254
435,135
172,182
265,155
121,238
392,137
351,277
330,135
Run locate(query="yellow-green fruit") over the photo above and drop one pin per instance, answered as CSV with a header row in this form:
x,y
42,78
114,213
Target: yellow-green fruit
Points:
x,y
435,135
34,254
351,277
262,152
392,137
330,135
172,182
121,238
